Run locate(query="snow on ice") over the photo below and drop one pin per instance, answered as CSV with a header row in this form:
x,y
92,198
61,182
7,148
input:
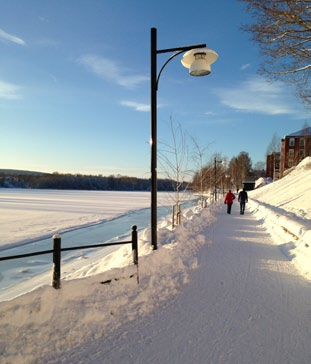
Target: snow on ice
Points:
x,y
219,289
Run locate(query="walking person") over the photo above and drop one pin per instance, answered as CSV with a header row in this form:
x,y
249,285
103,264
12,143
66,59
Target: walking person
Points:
x,y
243,198
229,201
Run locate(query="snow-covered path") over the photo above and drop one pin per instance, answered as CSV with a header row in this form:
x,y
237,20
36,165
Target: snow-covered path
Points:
x,y
246,303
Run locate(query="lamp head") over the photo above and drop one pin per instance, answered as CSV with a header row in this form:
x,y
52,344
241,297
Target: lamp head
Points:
x,y
199,61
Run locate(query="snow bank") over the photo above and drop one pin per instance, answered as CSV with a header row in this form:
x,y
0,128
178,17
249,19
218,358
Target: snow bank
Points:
x,y
262,182
284,207
72,312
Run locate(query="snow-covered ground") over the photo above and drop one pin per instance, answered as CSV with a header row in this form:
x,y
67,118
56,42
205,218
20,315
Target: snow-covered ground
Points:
x,y
220,289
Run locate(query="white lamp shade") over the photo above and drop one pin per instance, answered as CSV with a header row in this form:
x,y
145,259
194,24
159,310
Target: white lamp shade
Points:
x,y
200,67
199,61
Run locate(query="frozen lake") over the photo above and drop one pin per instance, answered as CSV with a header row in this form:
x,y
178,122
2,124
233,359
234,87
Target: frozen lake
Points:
x,y
116,226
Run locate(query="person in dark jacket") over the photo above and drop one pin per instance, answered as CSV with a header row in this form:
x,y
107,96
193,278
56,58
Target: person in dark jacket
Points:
x,y
243,198
229,201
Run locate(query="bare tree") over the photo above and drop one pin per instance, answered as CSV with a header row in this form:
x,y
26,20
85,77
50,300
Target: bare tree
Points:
x,y
306,127
239,169
174,158
282,29
233,171
210,178
202,174
304,146
204,179
274,145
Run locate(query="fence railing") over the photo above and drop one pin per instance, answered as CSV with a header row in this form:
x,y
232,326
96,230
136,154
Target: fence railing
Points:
x,y
57,249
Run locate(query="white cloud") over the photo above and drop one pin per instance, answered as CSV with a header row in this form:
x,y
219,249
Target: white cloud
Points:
x,y
245,66
11,38
257,95
136,106
46,42
9,91
109,70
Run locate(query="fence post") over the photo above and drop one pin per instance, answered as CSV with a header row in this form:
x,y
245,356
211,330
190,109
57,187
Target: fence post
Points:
x,y
56,261
134,244
173,216
178,213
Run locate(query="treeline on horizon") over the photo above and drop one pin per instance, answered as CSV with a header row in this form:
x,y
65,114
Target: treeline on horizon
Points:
x,y
60,181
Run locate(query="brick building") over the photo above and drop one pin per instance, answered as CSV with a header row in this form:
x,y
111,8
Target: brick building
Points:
x,y
273,165
294,148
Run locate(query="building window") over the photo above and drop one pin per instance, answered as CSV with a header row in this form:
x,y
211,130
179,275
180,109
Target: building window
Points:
x,y
291,142
290,153
301,142
301,153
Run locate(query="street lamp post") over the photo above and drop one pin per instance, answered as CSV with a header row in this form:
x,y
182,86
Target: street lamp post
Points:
x,y
215,177
198,59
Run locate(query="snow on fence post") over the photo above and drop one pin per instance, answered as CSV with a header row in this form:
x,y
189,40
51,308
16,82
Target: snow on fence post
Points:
x,y
56,261
134,244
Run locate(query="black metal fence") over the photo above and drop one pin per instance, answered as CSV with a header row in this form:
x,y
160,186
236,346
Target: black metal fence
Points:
x,y
57,249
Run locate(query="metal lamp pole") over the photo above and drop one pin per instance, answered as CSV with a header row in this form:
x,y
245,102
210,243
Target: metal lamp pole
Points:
x,y
154,77
215,176
215,179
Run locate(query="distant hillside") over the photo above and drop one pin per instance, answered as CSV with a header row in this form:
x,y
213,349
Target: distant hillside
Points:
x,y
10,178
20,172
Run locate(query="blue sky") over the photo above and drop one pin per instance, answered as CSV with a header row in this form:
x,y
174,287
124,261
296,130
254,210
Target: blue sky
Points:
x,y
75,89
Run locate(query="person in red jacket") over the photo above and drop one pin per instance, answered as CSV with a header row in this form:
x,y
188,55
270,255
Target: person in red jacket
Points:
x,y
229,201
